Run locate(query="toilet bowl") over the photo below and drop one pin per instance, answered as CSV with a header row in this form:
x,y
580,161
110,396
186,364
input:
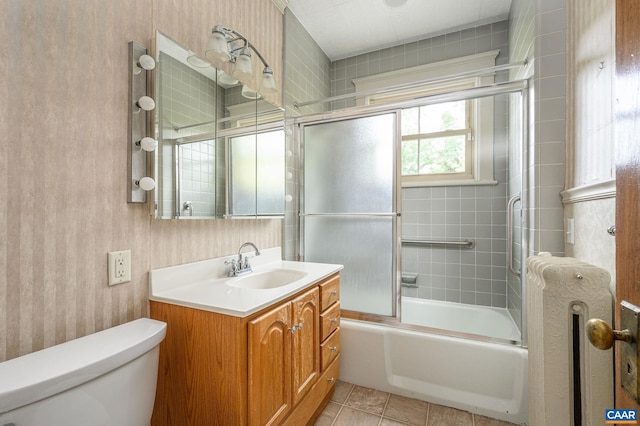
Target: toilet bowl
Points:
x,y
105,378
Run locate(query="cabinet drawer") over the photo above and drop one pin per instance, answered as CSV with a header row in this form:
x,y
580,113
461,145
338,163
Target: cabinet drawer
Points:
x,y
330,349
329,292
329,320
330,376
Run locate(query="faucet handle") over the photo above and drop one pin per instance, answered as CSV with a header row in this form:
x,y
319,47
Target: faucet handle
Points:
x,y
233,268
244,264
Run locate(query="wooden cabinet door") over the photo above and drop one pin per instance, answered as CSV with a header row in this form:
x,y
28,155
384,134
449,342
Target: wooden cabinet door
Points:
x,y
270,366
306,344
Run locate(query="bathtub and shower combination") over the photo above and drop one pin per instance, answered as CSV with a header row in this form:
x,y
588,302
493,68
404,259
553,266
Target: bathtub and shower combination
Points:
x,y
468,352
473,373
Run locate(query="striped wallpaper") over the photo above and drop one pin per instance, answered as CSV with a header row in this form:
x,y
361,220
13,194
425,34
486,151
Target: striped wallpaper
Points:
x,y
63,162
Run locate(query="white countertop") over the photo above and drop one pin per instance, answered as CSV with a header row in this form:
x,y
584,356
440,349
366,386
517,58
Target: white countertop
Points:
x,y
205,284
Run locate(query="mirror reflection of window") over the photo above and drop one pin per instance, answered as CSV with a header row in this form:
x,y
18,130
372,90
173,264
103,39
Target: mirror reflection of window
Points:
x,y
256,175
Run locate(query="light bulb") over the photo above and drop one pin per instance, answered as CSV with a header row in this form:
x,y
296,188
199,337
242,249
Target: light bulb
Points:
x,y
244,66
217,47
145,62
148,144
146,103
146,183
268,82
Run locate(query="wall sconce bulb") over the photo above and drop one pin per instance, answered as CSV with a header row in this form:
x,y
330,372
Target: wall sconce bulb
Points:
x,y
146,183
146,103
145,62
148,144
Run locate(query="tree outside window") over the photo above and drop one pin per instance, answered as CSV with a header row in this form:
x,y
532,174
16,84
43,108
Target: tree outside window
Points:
x,y
436,140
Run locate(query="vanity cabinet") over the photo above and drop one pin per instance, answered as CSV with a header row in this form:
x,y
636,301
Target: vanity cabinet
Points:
x,y
286,340
277,366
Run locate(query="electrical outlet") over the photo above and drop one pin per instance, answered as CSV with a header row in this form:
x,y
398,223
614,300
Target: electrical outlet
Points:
x,y
119,266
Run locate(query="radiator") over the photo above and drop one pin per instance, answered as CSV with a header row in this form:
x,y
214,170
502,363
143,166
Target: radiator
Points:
x,y
570,381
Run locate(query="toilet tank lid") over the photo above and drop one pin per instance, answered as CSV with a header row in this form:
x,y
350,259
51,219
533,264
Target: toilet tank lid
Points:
x,y
40,374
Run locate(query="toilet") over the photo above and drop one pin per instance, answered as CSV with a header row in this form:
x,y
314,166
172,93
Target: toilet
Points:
x,y
105,378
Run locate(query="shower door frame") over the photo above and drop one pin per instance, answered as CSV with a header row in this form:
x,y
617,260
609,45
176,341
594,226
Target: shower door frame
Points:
x,y
522,87
344,115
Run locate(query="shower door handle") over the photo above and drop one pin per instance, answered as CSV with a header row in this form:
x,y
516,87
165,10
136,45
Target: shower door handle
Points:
x,y
602,336
510,207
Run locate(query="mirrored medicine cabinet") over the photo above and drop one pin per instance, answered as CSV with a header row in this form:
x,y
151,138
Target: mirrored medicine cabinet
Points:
x,y
221,147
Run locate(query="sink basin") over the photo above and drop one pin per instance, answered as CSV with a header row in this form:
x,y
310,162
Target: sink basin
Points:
x,y
273,278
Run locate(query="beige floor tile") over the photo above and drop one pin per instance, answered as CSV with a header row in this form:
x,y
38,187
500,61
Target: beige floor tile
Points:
x,y
445,416
359,406
390,422
328,414
407,410
369,400
351,417
343,389
487,421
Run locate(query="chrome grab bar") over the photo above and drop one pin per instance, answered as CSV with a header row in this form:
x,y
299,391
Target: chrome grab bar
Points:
x,y
464,243
512,202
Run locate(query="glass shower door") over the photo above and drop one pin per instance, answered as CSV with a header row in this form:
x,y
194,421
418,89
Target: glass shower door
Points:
x,y
349,207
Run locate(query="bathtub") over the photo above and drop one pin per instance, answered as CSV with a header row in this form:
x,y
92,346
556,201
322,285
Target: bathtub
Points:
x,y
482,320
489,379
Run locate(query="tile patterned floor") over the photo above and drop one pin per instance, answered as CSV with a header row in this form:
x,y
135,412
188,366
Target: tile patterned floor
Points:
x,y
359,406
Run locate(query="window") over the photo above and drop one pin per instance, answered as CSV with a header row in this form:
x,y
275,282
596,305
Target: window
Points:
x,y
450,143
437,142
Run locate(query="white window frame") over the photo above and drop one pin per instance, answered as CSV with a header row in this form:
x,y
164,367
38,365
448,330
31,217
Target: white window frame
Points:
x,y
482,109
468,131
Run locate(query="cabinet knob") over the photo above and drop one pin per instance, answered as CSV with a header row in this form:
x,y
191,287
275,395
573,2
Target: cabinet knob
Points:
x,y
331,380
334,320
293,329
300,326
334,349
334,293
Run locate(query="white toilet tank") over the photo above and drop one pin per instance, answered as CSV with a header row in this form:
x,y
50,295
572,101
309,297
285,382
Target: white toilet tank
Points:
x,y
106,378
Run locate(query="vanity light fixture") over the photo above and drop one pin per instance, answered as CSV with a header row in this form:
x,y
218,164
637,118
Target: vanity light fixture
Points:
x,y
139,144
228,45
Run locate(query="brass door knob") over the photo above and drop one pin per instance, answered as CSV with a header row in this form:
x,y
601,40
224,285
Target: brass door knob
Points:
x,y
602,336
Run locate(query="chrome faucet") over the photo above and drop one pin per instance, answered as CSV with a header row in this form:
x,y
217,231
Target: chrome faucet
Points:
x,y
241,266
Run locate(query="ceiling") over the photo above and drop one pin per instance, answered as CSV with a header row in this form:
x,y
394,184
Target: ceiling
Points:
x,y
345,28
